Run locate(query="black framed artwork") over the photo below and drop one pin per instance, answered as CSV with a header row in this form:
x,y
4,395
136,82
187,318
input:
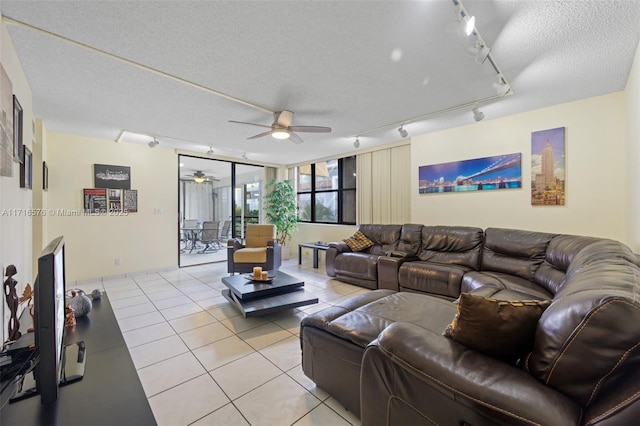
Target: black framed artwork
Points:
x,y
111,177
26,169
45,176
18,153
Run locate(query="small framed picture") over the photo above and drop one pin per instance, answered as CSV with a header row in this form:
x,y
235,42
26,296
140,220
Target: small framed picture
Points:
x,y
45,176
26,169
18,154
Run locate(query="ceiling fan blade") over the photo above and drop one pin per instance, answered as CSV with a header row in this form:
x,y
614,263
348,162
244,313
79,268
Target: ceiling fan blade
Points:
x,y
251,124
260,135
295,138
283,118
310,129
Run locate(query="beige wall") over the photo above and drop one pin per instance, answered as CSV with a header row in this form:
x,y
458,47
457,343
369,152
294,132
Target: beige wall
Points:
x,y
632,93
143,241
15,202
596,155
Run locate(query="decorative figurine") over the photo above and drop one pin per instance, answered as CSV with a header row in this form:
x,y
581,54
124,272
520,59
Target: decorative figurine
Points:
x,y
11,297
70,319
27,296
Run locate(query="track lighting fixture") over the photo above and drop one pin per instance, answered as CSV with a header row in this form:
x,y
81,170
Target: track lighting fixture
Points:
x,y
479,51
403,132
477,114
244,155
466,23
500,86
356,143
210,152
153,143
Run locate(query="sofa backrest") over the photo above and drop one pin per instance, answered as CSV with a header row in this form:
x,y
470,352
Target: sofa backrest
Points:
x,y
588,341
410,238
560,253
385,237
460,245
514,251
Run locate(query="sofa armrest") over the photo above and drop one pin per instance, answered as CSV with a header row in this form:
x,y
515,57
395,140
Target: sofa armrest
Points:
x,y
335,248
234,244
411,373
388,268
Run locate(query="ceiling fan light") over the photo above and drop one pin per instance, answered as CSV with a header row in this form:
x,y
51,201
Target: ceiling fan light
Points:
x,y
280,134
198,179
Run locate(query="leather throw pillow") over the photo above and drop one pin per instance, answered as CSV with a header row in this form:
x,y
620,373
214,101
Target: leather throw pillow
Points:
x,y
358,242
503,329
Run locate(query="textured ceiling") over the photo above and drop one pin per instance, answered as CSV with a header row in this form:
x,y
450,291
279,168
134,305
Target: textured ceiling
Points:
x,y
354,66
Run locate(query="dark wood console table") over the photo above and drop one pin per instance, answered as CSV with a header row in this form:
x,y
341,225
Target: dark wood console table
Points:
x,y
110,392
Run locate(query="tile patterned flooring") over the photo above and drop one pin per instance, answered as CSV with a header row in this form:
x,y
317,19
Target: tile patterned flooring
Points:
x,y
201,363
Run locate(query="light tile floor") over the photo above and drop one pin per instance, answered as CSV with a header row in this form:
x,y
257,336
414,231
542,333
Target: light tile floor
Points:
x,y
201,363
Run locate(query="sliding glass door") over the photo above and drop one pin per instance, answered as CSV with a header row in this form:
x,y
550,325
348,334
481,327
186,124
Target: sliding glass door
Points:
x,y
217,199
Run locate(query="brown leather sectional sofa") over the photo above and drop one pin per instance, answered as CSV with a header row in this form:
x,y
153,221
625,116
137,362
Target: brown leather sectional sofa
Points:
x,y
383,356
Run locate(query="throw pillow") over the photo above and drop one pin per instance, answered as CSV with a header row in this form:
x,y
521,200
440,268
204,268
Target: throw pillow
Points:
x,y
503,329
358,242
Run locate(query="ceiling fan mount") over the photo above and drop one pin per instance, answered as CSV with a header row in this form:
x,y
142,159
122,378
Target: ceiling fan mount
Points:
x,y
282,128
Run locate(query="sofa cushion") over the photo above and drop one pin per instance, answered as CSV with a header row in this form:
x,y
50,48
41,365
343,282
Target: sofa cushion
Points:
x,y
460,245
560,253
434,278
358,242
502,286
514,252
362,325
358,265
385,237
499,328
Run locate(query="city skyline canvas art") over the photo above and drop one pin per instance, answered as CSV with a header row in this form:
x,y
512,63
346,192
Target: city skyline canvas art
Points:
x,y
548,178
478,174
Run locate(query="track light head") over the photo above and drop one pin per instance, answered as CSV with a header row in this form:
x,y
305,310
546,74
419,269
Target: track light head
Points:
x,y
501,87
210,152
245,156
403,132
477,114
356,143
153,143
479,51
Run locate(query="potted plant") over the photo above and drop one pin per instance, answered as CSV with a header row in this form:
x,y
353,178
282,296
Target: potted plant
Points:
x,y
282,211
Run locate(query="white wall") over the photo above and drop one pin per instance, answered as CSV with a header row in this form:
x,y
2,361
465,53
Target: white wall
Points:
x,y
15,224
596,186
632,93
143,241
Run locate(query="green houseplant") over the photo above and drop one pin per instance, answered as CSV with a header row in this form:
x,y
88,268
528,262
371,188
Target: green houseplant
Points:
x,y
282,209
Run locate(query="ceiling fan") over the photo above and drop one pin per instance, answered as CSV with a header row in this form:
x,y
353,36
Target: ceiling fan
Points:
x,y
198,176
282,128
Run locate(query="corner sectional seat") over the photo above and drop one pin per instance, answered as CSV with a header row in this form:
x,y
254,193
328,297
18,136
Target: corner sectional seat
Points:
x,y
383,355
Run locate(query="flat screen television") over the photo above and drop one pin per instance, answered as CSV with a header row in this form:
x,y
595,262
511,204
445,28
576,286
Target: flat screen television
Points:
x,y
56,364
49,309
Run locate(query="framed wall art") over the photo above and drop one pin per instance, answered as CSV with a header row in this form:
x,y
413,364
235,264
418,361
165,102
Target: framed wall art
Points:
x,y
45,176
130,200
18,153
95,200
6,125
26,169
478,174
548,167
111,177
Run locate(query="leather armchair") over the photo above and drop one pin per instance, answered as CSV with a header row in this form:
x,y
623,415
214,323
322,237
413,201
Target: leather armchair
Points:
x,y
260,249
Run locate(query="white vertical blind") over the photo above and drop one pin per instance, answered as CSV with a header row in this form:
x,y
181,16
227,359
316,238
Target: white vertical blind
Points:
x,y
384,187
364,213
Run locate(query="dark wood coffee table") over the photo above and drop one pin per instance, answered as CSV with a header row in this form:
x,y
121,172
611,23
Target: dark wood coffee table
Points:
x,y
254,298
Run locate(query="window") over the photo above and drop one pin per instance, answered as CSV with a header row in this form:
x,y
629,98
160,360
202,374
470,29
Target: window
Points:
x,y
327,191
